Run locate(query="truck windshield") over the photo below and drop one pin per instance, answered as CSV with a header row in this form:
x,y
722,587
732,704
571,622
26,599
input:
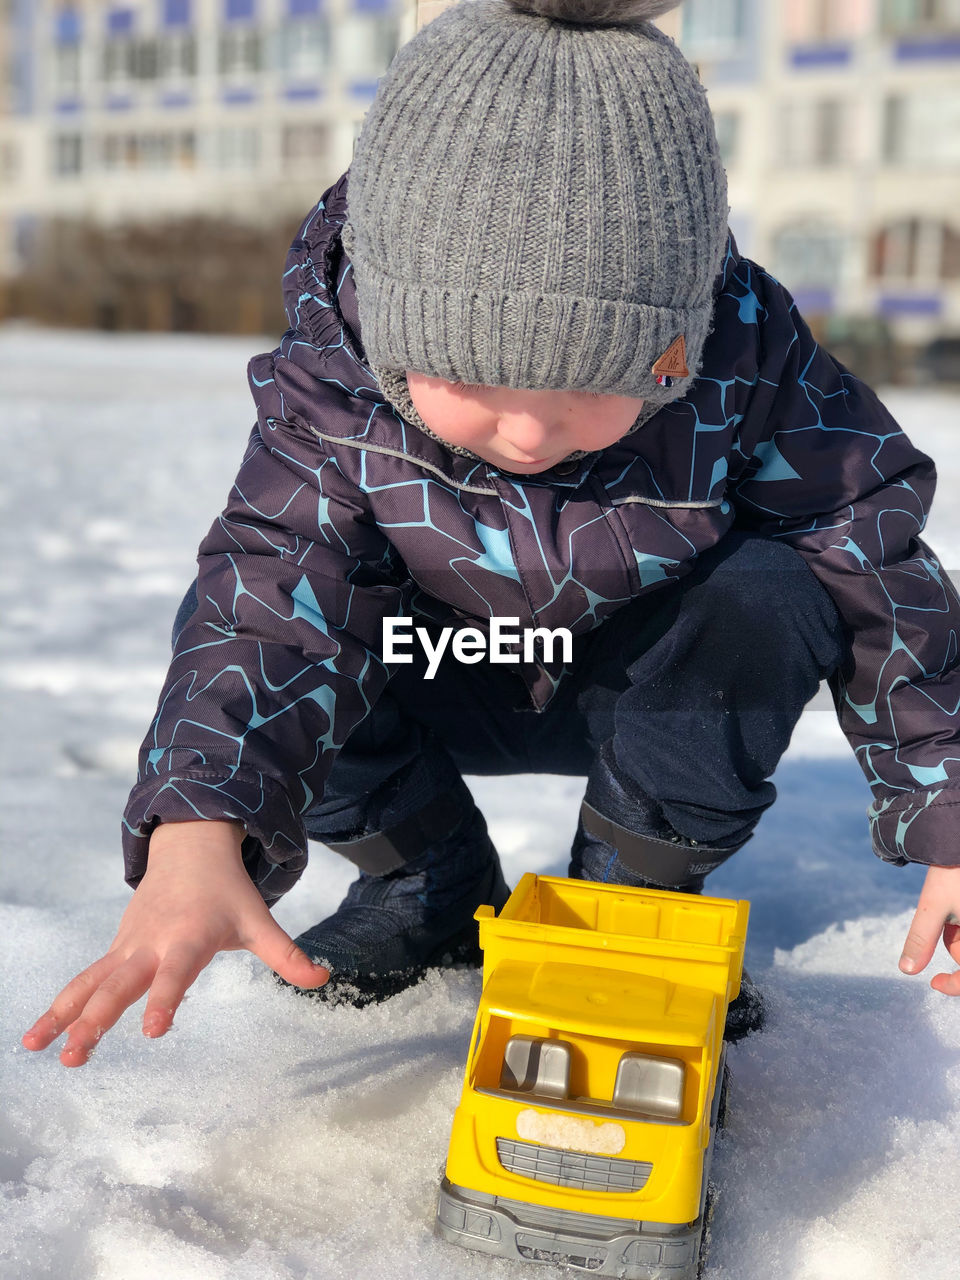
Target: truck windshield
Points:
x,y
645,1084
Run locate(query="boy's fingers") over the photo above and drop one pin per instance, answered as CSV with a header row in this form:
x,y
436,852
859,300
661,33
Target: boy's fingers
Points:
x,y
278,950
118,990
68,1004
178,972
921,942
949,983
43,1032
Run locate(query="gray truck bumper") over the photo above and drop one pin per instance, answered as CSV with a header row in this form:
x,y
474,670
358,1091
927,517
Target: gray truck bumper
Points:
x,y
600,1246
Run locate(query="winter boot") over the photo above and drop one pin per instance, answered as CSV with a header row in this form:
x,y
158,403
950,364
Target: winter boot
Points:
x,y
412,907
606,852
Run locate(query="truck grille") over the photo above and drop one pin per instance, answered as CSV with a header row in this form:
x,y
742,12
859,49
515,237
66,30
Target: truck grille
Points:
x,y
572,1168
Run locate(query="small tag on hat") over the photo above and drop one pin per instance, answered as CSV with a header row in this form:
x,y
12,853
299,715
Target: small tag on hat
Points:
x,y
672,364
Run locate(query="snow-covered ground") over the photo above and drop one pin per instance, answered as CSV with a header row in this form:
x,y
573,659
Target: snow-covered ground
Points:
x,y
267,1138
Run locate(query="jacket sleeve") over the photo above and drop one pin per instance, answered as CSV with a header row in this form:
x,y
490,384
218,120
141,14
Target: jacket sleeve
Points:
x,y
277,666
825,467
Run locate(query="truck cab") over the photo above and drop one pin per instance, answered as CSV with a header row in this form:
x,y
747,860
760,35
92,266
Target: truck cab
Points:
x,y
589,1107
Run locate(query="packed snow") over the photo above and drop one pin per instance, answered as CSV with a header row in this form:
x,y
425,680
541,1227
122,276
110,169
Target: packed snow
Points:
x,y
571,1133
267,1137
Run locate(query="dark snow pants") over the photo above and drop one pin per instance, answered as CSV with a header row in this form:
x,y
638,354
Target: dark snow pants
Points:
x,y
677,710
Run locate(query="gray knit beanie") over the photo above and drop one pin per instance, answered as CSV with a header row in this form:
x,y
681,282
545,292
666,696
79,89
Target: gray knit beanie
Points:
x,y
537,200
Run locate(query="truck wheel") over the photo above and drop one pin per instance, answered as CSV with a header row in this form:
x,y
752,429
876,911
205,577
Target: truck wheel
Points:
x,y
705,1234
722,1106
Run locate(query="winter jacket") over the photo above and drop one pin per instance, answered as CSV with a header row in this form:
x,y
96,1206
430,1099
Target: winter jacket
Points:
x,y
343,513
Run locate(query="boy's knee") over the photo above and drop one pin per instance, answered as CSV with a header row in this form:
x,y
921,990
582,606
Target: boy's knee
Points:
x,y
766,589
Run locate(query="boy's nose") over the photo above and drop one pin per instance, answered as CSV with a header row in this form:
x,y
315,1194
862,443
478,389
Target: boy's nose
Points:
x,y
527,434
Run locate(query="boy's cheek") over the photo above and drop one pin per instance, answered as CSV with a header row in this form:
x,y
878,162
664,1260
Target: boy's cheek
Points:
x,y
468,436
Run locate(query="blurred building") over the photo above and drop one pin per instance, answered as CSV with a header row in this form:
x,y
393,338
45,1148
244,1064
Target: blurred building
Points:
x,y
839,121
129,109
840,125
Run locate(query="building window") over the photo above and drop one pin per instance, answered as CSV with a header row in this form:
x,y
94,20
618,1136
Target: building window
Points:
x,y
178,55
823,21
126,59
901,16
25,237
67,34
814,132
239,51
809,256
305,143
714,26
304,47
186,152
237,147
9,161
111,151
157,150
66,68
916,250
923,129
146,60
119,62
366,44
171,149
68,154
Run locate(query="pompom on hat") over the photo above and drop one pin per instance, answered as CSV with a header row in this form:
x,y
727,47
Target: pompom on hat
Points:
x,y
537,200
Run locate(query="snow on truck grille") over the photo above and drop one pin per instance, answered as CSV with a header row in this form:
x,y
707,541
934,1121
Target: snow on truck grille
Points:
x,y
572,1168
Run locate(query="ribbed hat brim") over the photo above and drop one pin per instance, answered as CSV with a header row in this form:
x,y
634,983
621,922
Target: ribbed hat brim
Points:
x,y
535,341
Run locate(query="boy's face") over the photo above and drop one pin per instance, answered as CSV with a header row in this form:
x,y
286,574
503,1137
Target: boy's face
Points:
x,y
521,431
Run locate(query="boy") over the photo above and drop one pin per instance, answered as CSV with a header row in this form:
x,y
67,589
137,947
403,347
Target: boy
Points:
x,y
528,378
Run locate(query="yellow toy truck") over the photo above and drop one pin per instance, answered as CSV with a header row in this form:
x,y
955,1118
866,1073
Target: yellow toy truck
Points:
x,y
590,1103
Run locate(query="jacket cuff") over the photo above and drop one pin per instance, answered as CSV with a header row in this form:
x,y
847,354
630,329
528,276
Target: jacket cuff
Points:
x,y
274,849
921,826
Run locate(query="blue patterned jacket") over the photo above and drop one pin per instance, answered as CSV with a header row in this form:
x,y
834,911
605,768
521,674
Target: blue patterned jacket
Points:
x,y
343,513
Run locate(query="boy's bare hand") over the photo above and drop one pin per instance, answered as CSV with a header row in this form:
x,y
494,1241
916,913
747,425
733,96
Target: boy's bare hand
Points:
x,y
195,899
938,913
